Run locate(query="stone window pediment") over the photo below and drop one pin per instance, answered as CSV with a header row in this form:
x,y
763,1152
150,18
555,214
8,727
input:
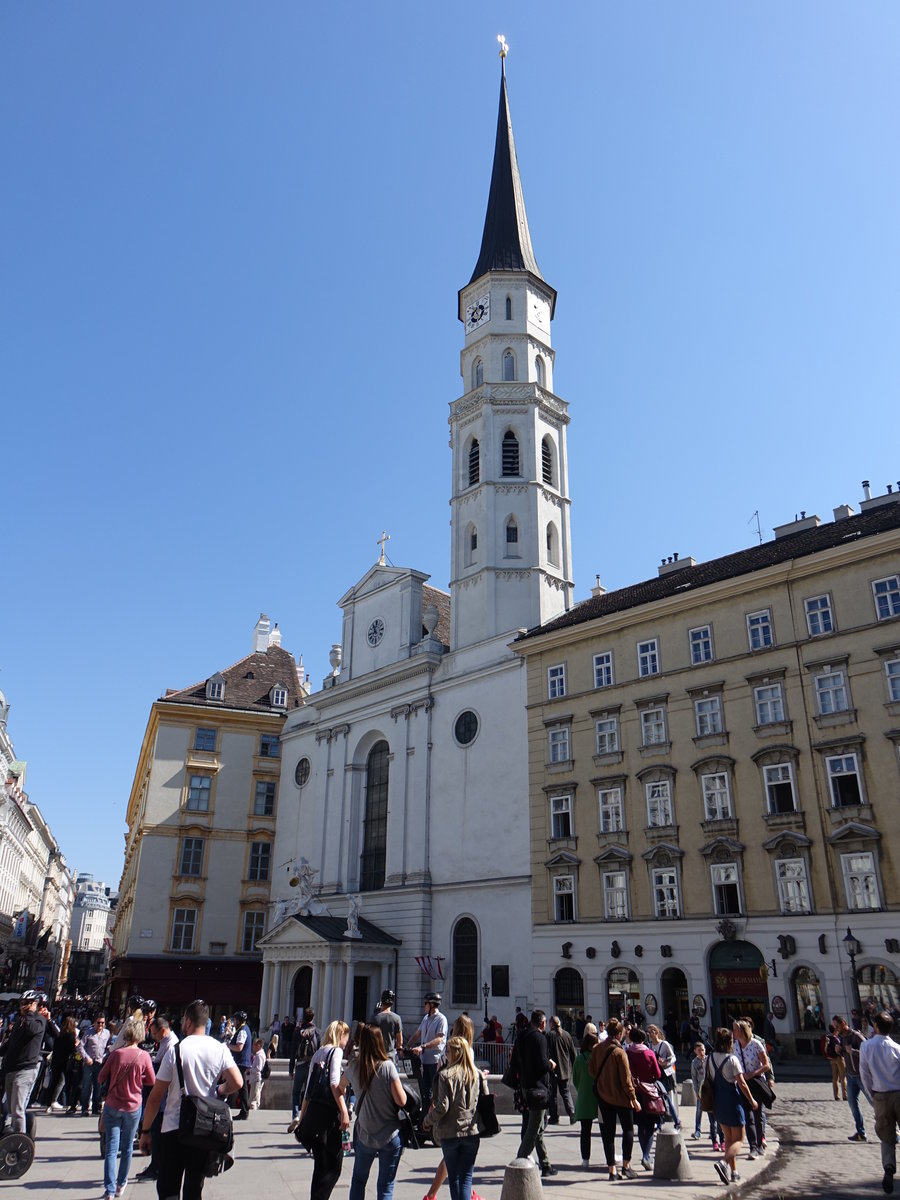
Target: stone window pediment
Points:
x,y
722,849
770,675
613,854
654,773
775,754
713,763
664,855
787,845
708,689
854,831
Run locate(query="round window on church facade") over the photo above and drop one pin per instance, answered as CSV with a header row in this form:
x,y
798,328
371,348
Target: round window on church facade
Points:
x,y
466,727
301,774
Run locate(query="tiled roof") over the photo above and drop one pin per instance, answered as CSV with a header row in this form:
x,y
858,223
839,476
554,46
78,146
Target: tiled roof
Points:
x,y
756,558
248,683
332,929
441,601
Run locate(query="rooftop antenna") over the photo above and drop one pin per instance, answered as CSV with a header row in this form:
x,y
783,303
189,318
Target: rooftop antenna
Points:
x,y
758,529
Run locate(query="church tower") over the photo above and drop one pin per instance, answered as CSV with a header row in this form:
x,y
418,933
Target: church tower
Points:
x,y
511,560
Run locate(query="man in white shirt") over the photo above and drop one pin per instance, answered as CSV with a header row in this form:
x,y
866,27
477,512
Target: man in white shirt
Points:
x,y
209,1070
429,1042
879,1071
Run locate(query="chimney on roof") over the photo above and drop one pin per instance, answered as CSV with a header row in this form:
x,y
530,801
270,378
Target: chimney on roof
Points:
x,y
674,563
890,496
598,589
275,636
867,491
798,525
261,634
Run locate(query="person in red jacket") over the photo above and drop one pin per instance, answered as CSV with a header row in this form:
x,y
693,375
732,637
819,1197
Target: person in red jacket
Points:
x,y
644,1067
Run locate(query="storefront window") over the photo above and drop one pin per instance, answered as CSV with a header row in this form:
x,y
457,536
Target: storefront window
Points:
x,y
807,1000
622,991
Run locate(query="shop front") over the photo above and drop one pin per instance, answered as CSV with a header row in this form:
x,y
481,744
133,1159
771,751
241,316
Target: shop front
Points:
x,y
737,975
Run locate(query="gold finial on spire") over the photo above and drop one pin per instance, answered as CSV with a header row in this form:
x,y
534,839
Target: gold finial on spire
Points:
x,y
504,46
385,537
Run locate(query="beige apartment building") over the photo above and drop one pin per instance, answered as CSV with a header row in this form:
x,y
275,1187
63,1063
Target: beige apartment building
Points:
x,y
715,783
194,895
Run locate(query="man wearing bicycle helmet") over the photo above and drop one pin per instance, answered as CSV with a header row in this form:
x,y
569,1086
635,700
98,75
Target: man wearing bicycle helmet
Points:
x,y
21,1052
390,1025
429,1042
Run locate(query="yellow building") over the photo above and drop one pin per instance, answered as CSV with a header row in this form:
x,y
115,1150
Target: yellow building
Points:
x,y
194,895
714,782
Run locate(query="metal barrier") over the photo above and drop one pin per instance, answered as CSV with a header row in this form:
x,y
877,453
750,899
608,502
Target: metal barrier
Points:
x,y
495,1055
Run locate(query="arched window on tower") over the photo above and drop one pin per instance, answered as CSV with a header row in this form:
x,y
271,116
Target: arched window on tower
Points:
x,y
509,365
509,308
477,373
465,962
552,545
547,460
509,457
470,545
372,859
474,462
512,538
539,369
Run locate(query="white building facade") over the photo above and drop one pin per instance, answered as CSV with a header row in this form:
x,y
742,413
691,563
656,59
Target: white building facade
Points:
x,y
406,860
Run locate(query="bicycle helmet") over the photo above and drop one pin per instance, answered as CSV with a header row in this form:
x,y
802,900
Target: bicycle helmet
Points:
x,y
433,998
387,996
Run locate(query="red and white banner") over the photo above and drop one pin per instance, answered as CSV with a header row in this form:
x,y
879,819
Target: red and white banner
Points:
x,y
430,965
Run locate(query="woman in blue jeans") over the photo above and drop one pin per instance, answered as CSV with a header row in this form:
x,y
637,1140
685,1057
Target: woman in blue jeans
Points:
x,y
128,1070
379,1093
456,1091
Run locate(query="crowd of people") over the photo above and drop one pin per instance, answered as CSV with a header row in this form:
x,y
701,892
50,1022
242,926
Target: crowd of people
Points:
x,y
623,1074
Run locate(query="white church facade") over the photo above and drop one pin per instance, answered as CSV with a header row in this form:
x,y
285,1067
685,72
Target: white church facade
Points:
x,y
409,843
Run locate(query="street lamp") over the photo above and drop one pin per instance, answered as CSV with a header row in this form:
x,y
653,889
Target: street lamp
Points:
x,y
485,991
852,946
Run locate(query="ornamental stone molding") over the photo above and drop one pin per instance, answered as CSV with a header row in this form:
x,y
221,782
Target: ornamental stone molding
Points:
x,y
511,489
551,498
513,576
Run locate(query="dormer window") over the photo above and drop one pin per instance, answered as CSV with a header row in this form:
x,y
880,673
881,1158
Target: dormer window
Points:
x,y
279,696
215,687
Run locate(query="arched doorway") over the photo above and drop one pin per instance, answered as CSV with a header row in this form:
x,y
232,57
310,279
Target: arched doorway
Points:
x,y
807,1000
568,994
738,987
302,990
676,1007
879,985
622,991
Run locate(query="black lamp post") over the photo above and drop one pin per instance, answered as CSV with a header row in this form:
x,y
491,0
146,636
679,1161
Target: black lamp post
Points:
x,y
485,991
852,946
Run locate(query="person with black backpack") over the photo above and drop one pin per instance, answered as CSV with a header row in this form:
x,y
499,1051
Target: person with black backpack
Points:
x,y
305,1042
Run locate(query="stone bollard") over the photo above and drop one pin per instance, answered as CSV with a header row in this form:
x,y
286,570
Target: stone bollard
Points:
x,y
688,1096
671,1160
521,1181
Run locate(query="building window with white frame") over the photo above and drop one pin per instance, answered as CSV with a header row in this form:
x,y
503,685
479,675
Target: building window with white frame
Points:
x,y
607,729
191,857
205,739
701,645
279,697
716,797
559,743
199,788
831,692
819,617
759,629
860,881
615,895
793,885
653,726
769,701
215,688
254,928
184,928
260,861
270,744
892,672
659,804
726,889
603,669
779,783
556,682
708,715
264,798
665,891
886,593
612,819
844,781
563,898
648,657
561,817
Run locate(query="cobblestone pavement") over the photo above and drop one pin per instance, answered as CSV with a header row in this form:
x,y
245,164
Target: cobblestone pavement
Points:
x,y
814,1161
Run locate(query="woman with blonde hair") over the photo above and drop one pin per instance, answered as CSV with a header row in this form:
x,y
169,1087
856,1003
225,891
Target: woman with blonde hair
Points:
x,y
128,1071
379,1093
464,1028
456,1091
754,1062
321,1133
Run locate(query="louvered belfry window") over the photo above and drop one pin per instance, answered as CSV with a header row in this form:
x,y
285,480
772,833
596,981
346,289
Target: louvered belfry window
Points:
x,y
474,462
546,462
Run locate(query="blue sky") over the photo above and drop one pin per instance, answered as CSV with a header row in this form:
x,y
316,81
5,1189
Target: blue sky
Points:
x,y
233,235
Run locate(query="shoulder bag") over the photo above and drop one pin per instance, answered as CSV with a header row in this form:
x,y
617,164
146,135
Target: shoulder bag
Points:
x,y
322,1113
760,1088
407,1117
485,1112
204,1122
707,1091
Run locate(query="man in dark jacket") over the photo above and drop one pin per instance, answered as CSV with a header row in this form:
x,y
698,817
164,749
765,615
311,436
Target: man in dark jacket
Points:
x,y
531,1059
305,1042
562,1052
22,1055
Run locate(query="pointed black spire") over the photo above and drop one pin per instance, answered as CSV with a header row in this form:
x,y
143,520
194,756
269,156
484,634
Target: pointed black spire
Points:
x,y
506,241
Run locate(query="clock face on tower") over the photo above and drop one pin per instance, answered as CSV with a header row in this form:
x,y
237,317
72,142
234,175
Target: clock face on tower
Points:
x,y
479,312
375,632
